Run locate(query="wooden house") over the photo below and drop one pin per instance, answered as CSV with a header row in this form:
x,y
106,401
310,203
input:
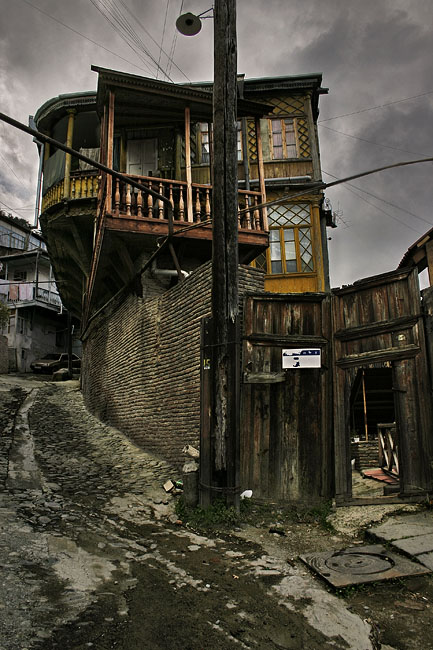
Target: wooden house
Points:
x,y
99,230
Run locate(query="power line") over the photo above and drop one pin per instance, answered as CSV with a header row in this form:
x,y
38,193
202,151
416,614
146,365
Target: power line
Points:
x,y
163,35
130,35
80,34
13,210
173,45
372,108
378,144
376,207
393,205
169,56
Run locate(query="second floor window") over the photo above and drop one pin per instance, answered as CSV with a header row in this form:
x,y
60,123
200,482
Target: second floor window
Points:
x,y
290,244
283,138
205,142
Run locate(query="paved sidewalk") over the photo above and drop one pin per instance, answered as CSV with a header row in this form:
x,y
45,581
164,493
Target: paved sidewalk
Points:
x,y
410,534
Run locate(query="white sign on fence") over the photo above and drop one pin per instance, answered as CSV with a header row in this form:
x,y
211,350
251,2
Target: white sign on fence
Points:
x,y
302,358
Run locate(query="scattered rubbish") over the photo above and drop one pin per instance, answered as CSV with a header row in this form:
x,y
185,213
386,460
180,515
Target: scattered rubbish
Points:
x,y
410,604
247,494
191,451
178,485
168,486
235,577
189,467
277,531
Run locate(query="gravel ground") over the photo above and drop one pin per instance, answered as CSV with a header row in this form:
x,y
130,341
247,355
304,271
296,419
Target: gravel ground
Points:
x,y
92,554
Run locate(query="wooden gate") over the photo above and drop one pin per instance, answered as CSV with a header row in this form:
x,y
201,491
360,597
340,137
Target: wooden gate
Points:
x,y
286,429
378,323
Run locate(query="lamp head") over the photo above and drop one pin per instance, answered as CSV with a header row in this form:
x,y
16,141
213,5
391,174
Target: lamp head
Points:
x,y
188,24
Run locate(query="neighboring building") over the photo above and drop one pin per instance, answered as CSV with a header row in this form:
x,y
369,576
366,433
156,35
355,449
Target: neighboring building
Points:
x,y
37,324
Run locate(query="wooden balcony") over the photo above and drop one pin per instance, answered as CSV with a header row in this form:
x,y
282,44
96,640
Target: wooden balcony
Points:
x,y
130,209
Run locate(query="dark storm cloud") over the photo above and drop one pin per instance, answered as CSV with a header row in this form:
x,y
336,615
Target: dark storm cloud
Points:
x,y
369,53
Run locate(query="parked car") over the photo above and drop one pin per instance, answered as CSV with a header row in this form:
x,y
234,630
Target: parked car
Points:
x,y
52,362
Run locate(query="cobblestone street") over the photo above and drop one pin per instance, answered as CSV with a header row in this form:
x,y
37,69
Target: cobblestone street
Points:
x,y
92,556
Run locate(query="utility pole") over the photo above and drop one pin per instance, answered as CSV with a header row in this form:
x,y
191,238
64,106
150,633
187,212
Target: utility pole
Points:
x,y
225,300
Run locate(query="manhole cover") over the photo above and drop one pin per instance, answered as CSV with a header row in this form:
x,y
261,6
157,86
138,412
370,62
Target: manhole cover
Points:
x,y
361,564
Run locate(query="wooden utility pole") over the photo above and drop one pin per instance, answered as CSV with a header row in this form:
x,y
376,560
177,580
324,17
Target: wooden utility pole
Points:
x,y
225,301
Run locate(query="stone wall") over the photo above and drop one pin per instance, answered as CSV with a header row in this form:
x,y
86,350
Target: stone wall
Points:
x,y
4,365
141,370
365,453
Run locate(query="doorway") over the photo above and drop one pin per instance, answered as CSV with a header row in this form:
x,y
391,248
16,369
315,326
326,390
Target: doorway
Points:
x,y
374,449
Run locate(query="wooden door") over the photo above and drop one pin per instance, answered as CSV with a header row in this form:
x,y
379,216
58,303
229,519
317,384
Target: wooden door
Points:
x,y
286,430
142,157
377,323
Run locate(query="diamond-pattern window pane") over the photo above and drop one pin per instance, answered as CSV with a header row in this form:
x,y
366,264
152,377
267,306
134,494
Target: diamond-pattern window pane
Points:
x,y
285,215
290,250
305,249
275,248
261,262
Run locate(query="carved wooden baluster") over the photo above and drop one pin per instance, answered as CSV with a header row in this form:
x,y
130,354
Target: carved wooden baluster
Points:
x,y
84,187
150,203
170,198
117,198
257,220
239,215
72,188
207,204
128,200
161,203
181,205
248,213
139,203
197,205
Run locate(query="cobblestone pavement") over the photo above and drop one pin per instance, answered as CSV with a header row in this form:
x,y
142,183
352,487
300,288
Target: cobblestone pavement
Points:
x,y
91,555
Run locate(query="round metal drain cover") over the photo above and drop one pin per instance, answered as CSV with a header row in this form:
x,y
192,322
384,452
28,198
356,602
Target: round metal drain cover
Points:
x,y
358,563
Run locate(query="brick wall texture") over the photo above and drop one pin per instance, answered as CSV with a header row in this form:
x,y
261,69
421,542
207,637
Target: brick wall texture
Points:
x,y
141,363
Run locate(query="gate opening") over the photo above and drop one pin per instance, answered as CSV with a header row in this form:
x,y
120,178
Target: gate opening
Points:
x,y
373,441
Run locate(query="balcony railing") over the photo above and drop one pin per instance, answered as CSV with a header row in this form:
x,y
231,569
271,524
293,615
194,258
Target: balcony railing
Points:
x,y
84,185
131,202
127,201
27,292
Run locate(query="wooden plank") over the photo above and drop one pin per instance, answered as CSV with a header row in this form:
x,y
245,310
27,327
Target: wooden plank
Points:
x,y
263,377
261,172
110,145
372,329
205,495
188,164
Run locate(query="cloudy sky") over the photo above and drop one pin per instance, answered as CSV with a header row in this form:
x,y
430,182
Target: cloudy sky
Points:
x,y
375,57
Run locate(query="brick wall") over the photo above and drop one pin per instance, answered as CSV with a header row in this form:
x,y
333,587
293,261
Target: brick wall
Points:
x,y
365,453
141,370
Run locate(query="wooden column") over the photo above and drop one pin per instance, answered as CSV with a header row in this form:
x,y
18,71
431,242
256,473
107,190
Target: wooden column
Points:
x,y
320,265
110,145
429,254
261,171
312,134
178,157
225,301
68,158
188,164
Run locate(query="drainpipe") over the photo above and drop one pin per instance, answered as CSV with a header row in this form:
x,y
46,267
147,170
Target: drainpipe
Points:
x,y
167,273
41,147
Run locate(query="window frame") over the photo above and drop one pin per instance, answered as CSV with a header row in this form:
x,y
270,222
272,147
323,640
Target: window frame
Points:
x,y
296,228
282,120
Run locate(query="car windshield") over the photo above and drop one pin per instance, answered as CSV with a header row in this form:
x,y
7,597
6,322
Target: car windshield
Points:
x,y
51,357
